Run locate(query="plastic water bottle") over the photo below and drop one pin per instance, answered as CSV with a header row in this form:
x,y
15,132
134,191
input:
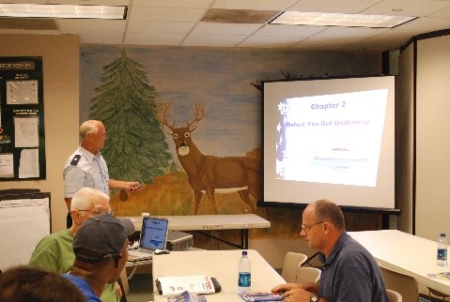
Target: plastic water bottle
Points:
x,y
442,250
245,274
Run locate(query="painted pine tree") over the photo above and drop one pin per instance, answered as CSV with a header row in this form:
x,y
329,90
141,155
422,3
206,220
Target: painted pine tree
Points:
x,y
125,102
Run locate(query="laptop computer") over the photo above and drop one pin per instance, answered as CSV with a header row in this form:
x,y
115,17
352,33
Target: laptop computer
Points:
x,y
153,236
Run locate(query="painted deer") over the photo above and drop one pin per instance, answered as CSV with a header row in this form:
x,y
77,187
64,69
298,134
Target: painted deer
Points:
x,y
209,173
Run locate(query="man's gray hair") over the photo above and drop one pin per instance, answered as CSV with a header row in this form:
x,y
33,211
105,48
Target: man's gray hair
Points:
x,y
85,198
87,127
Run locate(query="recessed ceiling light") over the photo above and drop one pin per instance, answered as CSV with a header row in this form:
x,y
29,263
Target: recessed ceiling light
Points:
x,y
63,11
334,19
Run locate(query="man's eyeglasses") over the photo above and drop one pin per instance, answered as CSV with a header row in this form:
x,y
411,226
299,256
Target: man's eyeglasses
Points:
x,y
307,228
97,211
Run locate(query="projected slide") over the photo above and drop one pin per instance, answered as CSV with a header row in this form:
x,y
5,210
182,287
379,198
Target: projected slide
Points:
x,y
330,138
333,138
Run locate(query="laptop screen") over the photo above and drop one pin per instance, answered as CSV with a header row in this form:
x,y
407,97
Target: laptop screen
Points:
x,y
154,233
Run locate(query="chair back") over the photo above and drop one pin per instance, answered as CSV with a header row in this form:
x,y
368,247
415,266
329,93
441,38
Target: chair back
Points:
x,y
405,285
433,292
292,260
393,296
307,274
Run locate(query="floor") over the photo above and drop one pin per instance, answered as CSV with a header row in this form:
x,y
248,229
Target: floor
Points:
x,y
141,288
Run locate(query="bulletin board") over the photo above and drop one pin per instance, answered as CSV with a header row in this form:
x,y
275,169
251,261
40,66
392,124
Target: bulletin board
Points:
x,y
22,136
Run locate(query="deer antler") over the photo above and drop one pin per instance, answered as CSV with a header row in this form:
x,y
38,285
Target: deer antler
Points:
x,y
198,111
163,112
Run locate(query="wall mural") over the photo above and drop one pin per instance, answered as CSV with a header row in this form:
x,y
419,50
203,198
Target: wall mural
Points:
x,y
208,173
156,102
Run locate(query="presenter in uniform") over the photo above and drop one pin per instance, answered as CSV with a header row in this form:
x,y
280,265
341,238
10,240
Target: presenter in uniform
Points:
x,y
86,167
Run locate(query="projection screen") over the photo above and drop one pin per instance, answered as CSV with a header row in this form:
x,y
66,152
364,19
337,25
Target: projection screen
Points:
x,y
329,138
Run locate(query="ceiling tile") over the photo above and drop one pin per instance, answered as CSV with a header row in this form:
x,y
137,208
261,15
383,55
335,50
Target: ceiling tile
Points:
x,y
167,14
390,39
160,27
104,38
77,26
239,16
91,2
275,30
254,4
267,42
212,40
444,13
28,24
423,25
347,34
28,1
177,23
154,39
417,8
225,29
173,3
28,32
333,6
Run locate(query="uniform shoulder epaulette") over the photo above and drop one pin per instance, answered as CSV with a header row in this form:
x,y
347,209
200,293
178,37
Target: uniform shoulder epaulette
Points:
x,y
75,160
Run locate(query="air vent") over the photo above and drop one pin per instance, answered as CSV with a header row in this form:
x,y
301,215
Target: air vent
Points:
x,y
239,16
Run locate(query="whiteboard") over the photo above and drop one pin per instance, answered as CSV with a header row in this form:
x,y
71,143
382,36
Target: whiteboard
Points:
x,y
23,223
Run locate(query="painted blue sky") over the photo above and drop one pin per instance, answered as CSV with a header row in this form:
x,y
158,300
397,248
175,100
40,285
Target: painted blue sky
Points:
x,y
218,77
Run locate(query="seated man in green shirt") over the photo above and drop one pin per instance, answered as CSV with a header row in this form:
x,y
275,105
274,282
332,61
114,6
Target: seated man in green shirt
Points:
x,y
55,251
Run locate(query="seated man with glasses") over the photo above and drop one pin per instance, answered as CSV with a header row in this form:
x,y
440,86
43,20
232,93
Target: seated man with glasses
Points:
x,y
55,251
349,273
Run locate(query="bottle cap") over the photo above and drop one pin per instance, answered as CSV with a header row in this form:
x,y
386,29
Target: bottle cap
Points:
x,y
442,234
244,253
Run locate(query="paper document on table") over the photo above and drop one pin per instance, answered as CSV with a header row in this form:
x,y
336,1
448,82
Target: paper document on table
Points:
x,y
198,284
261,297
187,297
443,275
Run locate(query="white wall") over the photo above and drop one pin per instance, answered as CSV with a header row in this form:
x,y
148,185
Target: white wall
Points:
x,y
432,137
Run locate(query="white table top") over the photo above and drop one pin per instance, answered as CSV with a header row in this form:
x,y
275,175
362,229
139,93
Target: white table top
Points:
x,y
210,222
222,265
405,253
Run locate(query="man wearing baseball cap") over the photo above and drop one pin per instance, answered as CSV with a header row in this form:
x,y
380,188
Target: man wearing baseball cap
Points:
x,y
55,251
101,250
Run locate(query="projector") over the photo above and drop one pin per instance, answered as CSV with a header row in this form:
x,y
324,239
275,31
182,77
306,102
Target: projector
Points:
x,y
179,241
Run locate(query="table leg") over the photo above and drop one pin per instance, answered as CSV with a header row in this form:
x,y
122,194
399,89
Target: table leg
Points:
x,y
244,239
